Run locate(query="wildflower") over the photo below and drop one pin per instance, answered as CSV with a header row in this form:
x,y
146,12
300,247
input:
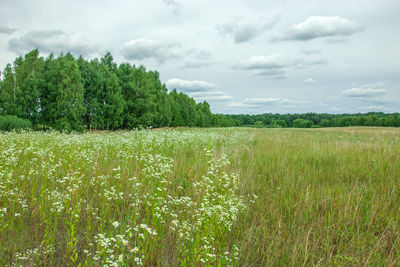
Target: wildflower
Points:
x,y
115,224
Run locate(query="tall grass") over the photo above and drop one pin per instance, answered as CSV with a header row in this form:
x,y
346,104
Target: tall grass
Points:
x,y
190,197
325,197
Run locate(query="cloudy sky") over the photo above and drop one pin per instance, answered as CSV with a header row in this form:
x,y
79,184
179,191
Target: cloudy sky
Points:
x,y
249,56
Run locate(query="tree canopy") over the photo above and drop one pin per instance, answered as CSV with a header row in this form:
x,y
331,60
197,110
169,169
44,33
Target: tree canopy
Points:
x,y
72,94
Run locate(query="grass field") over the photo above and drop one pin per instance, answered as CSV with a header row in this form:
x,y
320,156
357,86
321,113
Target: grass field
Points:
x,y
193,197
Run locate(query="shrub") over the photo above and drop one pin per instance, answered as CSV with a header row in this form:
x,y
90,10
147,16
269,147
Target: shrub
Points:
x,y
10,122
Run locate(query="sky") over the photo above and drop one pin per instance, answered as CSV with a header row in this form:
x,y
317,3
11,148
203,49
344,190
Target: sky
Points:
x,y
249,56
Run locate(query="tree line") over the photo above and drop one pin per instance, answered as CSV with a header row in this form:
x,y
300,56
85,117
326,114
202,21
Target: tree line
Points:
x,y
66,93
314,120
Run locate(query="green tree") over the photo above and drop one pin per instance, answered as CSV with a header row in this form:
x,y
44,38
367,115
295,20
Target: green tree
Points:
x,y
281,123
63,94
302,123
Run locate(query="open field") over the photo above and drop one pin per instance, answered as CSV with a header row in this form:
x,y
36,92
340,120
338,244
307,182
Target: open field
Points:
x,y
245,197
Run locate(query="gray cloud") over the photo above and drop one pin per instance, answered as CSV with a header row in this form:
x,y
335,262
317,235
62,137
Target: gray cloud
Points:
x,y
275,65
189,45
144,48
311,51
176,6
190,86
244,31
196,64
337,40
51,41
200,59
320,26
277,74
7,30
363,92
257,103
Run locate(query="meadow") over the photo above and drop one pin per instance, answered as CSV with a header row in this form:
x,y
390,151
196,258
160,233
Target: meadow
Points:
x,y
201,197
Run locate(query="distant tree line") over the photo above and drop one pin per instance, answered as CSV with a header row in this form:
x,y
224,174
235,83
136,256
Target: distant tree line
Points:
x,y
65,93
315,120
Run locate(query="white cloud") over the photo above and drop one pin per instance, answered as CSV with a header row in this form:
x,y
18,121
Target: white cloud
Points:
x,y
242,31
144,48
261,62
190,86
268,100
309,80
363,92
275,65
52,41
320,26
210,96
241,105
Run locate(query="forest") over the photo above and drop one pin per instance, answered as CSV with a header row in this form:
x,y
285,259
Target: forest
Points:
x,y
74,94
65,93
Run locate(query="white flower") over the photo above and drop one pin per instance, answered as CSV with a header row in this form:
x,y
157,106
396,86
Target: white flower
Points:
x,y
115,224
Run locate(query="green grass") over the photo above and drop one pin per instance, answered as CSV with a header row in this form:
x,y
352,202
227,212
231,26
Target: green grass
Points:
x,y
190,197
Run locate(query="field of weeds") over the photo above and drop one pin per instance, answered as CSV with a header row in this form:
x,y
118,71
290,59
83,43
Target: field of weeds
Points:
x,y
201,197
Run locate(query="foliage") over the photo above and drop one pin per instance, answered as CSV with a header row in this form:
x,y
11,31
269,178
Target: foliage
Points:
x,y
302,123
379,119
10,122
65,93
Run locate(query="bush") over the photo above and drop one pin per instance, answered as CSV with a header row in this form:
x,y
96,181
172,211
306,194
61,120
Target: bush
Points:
x,y
316,126
9,122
